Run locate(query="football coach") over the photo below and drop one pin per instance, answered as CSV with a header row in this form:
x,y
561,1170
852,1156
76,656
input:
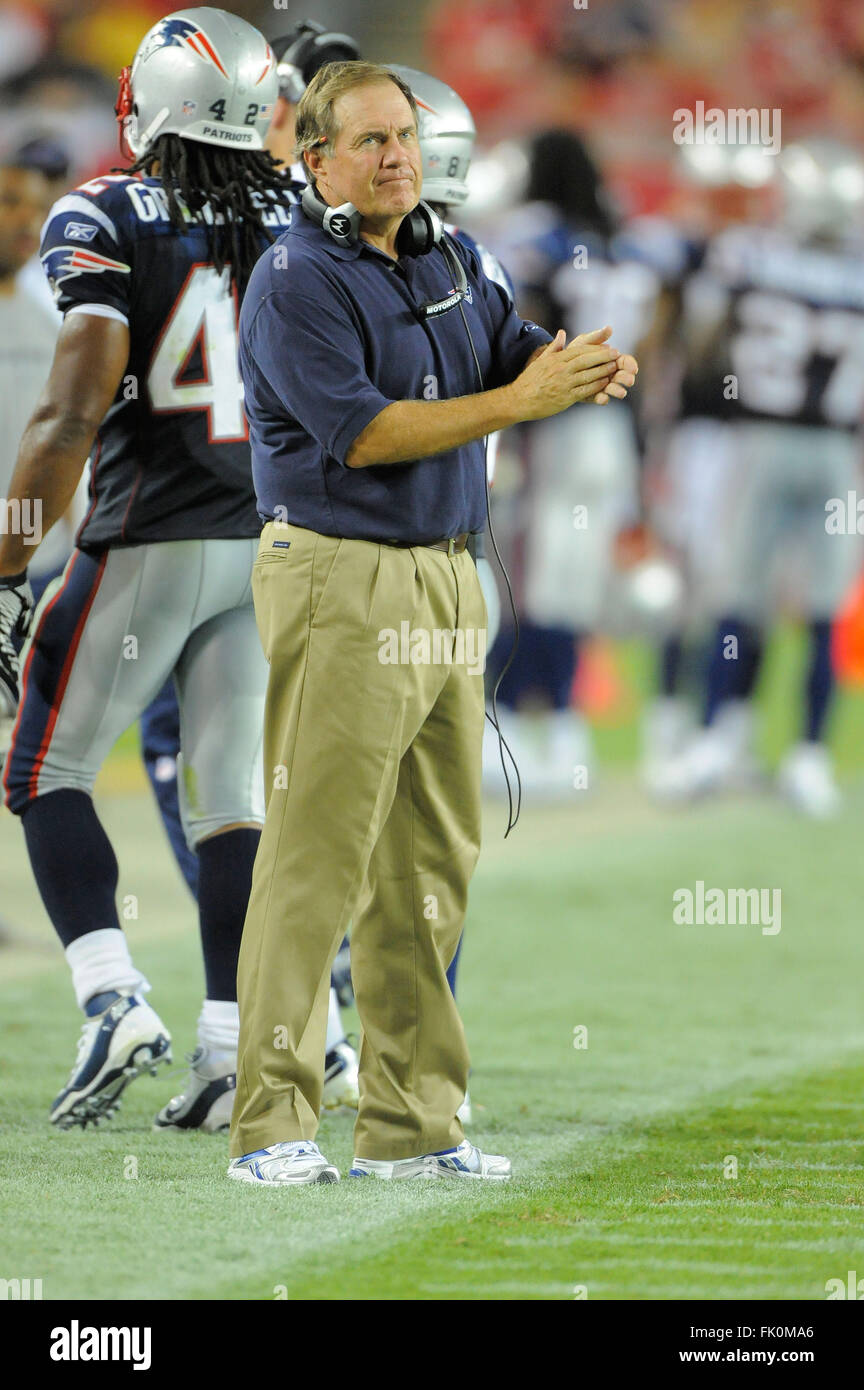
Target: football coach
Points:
x,y
367,412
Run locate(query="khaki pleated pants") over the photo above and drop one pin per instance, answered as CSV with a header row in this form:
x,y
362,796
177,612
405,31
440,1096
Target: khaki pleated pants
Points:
x,y
372,775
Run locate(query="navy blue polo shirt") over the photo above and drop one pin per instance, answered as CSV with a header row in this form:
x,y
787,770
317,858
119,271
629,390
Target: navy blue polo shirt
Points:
x,y
329,337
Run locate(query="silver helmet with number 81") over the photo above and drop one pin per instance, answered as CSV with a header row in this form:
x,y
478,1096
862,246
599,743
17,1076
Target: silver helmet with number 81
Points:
x,y
204,74
446,137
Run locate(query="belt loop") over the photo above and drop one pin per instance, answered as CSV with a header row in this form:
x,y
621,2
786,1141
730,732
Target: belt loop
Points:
x,y
451,547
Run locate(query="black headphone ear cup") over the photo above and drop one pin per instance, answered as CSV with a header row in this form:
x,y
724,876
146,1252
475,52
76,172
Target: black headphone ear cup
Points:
x,y
420,231
303,46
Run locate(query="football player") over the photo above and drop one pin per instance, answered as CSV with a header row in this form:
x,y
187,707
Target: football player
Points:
x,y
687,482
571,265
298,54
147,268
774,333
28,333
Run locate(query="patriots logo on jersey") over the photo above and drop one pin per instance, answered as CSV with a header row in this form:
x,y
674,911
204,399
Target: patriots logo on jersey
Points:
x,y
65,262
183,33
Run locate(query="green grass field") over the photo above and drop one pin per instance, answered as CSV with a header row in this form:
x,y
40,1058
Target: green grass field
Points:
x,y
711,1051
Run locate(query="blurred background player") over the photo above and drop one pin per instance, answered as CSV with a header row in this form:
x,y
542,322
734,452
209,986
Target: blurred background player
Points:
x,y
147,272
686,483
28,331
572,267
773,329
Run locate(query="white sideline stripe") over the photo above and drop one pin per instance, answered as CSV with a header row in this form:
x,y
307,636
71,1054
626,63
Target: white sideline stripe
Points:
x,y
98,311
71,202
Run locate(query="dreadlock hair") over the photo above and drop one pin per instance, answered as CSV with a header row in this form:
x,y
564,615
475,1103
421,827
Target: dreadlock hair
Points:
x,y
563,173
224,180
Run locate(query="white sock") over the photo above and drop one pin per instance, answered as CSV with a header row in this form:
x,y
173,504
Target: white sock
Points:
x,y
219,1025
335,1031
100,961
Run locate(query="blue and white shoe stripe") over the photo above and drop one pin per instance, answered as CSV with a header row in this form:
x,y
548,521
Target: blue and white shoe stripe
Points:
x,y
465,1160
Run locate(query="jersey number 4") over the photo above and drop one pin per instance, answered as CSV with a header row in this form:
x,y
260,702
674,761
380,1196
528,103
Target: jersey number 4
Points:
x,y
204,318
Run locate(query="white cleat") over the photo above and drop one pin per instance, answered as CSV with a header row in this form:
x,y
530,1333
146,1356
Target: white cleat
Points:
x,y
115,1047
294,1162
806,777
667,729
564,757
719,758
341,1079
466,1161
207,1098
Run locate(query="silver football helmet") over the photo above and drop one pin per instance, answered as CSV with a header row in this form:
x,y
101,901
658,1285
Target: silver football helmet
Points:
x,y
719,166
446,137
822,187
203,74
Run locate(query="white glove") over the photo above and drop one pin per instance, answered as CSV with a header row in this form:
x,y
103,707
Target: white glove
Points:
x,y
16,602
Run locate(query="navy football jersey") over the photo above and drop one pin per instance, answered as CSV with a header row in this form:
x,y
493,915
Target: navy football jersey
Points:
x,y
577,279
172,459
774,330
492,267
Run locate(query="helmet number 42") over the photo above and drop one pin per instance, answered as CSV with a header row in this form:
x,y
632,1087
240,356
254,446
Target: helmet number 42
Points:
x,y
204,320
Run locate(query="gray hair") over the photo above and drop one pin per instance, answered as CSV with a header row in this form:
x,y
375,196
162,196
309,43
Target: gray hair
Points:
x,y
315,122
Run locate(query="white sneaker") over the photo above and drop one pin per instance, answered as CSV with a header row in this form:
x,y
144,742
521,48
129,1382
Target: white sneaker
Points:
x,y
719,758
341,1080
565,757
806,777
124,1041
466,1161
207,1098
667,728
297,1161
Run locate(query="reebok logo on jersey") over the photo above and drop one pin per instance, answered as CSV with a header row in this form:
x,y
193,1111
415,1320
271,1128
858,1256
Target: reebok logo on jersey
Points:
x,y
79,231
65,262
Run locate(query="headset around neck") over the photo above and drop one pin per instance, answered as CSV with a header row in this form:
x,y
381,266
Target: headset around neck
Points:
x,y
421,231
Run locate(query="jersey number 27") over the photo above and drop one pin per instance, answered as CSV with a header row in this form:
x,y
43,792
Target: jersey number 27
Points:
x,y
204,317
